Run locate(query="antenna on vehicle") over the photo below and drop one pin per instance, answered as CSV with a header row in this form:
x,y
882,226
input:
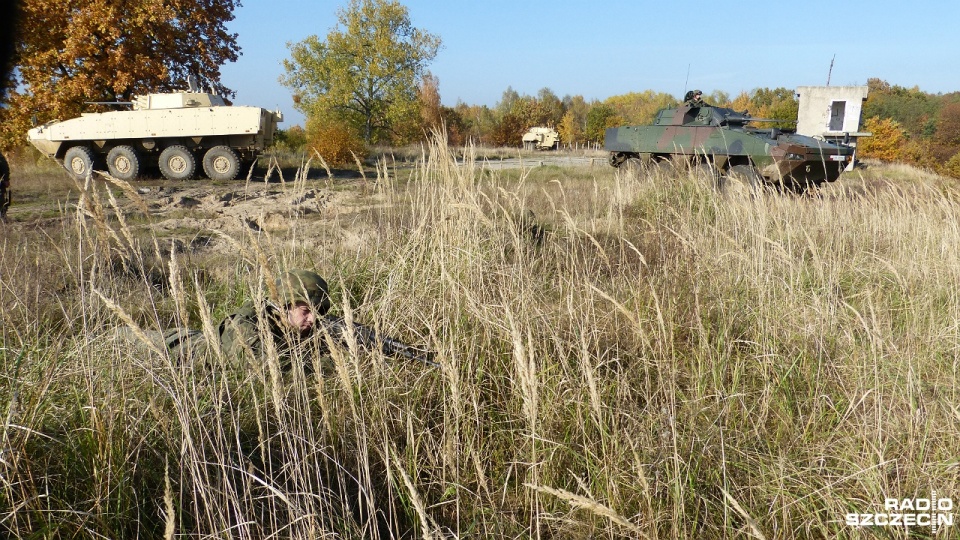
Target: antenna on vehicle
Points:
x,y
830,72
687,80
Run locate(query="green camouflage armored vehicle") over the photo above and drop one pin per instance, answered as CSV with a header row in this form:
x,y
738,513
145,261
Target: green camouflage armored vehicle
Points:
x,y
720,141
179,132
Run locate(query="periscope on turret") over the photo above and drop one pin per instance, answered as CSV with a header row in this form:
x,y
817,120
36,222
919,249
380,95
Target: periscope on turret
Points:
x,y
177,131
725,142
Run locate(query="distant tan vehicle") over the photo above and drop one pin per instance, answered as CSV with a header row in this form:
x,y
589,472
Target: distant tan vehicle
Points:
x,y
172,130
541,138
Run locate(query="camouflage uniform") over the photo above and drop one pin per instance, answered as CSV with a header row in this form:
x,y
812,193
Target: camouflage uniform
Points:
x,y
240,335
4,188
693,99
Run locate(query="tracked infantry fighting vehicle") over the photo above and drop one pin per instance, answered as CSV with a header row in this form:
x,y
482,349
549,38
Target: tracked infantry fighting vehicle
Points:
x,y
175,131
719,140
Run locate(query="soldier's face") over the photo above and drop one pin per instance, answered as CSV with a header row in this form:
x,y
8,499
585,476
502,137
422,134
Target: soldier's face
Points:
x,y
301,317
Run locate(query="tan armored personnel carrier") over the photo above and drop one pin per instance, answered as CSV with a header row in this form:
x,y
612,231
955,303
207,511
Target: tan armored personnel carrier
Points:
x,y
541,138
175,131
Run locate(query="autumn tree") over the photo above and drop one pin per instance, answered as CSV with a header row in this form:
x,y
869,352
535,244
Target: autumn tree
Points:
x,y
887,141
574,122
741,102
366,72
74,51
640,107
330,136
952,166
478,123
946,140
551,107
914,110
431,111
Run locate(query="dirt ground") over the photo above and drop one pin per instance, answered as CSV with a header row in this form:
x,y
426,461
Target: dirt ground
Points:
x,y
202,216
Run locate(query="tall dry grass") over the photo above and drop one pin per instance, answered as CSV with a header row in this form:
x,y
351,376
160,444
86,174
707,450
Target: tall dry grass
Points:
x,y
621,356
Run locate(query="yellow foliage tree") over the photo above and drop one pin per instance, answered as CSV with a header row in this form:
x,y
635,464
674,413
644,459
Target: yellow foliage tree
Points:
x,y
741,102
569,129
640,107
887,142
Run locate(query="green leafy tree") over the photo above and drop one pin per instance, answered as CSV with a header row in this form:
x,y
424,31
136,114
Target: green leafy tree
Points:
x,y
551,107
293,139
479,123
777,104
914,110
367,71
599,119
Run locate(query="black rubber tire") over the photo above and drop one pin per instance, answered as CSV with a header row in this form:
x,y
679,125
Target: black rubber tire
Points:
x,y
78,161
177,163
123,162
221,163
631,166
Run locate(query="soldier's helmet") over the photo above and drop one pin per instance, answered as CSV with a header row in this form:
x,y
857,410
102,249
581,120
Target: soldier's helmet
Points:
x,y
688,96
304,286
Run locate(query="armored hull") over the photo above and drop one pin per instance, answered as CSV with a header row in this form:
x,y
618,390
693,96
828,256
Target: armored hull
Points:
x,y
541,138
176,131
721,139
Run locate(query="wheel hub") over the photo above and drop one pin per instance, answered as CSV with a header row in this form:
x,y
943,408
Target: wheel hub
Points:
x,y
78,166
221,164
177,164
122,164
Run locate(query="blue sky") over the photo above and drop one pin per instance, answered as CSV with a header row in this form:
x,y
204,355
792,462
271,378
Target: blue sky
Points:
x,y
609,48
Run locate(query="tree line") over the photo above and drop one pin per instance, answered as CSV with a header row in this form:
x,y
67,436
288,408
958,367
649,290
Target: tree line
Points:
x,y
367,83
912,126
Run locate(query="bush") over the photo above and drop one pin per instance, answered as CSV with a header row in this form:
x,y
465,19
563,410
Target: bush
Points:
x,y
952,166
336,142
887,141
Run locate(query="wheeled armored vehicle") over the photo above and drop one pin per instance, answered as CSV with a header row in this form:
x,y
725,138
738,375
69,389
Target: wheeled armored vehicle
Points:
x,y
721,141
175,131
541,138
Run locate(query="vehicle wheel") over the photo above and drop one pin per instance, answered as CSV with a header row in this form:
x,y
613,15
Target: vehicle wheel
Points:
x,y
741,181
78,161
177,163
123,162
631,166
221,163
